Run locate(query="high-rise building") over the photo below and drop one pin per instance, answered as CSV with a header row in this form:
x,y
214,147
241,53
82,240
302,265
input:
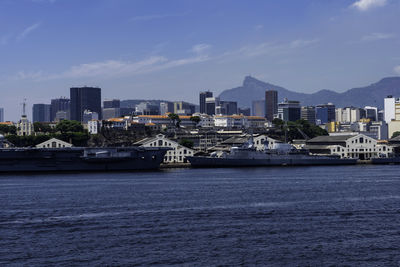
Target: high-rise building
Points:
x,y
289,110
85,98
308,114
89,115
1,114
271,104
59,104
392,109
203,96
147,108
325,113
371,113
184,108
226,108
111,103
211,104
166,107
348,114
109,113
258,108
41,113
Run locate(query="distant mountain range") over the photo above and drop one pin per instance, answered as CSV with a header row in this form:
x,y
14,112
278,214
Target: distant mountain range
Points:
x,y
371,95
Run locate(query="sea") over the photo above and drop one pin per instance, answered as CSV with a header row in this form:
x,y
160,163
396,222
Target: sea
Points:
x,y
273,216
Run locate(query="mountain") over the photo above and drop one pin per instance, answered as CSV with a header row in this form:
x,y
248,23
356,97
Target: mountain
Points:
x,y
371,95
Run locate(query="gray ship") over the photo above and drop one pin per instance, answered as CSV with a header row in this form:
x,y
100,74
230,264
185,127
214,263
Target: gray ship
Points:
x,y
79,159
280,155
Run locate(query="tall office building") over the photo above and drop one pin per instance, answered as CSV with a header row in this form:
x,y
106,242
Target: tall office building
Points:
x,y
59,104
308,114
85,98
289,110
203,96
1,114
258,108
226,108
371,113
211,104
184,108
325,113
111,103
271,104
41,113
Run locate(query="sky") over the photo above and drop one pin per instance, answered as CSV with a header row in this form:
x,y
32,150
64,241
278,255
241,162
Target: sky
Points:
x,y
174,49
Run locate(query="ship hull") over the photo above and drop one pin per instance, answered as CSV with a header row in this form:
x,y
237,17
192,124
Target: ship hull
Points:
x,y
393,160
227,162
64,160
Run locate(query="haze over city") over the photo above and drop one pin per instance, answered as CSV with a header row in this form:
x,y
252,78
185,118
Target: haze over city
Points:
x,y
174,49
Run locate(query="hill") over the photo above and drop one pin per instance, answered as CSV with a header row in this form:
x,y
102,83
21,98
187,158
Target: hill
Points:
x,y
371,95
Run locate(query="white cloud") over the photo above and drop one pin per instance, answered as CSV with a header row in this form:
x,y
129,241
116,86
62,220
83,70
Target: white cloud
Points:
x,y
397,70
378,36
364,5
112,68
28,30
200,48
303,43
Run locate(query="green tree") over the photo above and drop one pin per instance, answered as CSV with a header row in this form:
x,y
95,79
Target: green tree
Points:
x,y
195,119
186,143
66,126
42,127
395,134
175,119
8,129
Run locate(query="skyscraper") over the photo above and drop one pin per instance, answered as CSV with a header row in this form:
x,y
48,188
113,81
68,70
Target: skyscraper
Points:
x,y
41,113
289,110
85,98
1,114
59,104
258,108
112,103
271,104
325,113
203,96
308,114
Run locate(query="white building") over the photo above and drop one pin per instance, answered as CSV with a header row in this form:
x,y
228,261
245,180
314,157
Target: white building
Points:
x,y
233,121
349,146
24,126
347,115
178,153
54,143
89,115
94,126
390,106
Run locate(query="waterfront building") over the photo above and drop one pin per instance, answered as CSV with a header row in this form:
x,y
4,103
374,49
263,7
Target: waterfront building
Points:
x,y
54,143
271,104
289,110
41,113
202,101
184,108
258,108
308,114
349,146
85,98
111,103
177,154
59,104
89,115
1,114
325,113
244,111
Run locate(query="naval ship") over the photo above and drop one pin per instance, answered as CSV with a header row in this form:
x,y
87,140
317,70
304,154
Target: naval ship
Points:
x,y
281,154
79,159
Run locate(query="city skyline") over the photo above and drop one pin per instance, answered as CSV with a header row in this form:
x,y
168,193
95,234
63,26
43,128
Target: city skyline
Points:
x,y
306,46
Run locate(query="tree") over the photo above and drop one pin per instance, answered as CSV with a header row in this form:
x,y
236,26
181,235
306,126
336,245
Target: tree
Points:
x,y
195,119
66,126
8,129
395,134
175,119
42,127
186,143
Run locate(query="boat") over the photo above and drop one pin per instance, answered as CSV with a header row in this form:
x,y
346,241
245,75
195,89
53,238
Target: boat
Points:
x,y
80,159
282,154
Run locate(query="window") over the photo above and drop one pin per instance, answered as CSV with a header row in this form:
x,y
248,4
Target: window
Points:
x,y
160,142
361,140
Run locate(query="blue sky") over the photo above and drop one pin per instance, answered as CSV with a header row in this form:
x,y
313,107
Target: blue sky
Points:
x,y
174,49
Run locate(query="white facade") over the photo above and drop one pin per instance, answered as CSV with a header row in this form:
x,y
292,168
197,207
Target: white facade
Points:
x,y
347,115
54,143
362,147
178,153
24,126
94,126
235,121
262,141
389,107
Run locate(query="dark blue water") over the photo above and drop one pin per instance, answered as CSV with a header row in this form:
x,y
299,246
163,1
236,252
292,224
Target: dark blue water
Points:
x,y
203,217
